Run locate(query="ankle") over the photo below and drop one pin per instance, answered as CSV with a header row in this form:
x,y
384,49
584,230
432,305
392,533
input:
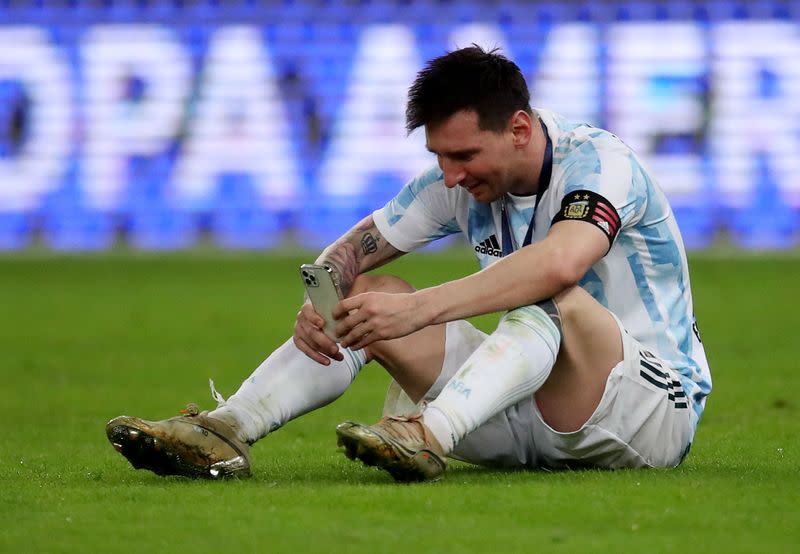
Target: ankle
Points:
x,y
229,416
438,429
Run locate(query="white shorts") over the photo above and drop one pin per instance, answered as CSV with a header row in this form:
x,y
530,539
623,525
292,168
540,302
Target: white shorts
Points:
x,y
642,420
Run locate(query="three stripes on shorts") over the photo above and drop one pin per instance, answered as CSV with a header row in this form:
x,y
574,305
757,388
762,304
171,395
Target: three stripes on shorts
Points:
x,y
653,372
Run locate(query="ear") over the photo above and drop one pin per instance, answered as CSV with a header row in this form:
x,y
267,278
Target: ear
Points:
x,y
521,128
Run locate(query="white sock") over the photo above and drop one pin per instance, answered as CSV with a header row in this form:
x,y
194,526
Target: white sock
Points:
x,y
510,365
286,385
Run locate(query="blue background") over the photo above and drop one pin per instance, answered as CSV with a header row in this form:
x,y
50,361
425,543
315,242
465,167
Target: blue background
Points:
x,y
312,46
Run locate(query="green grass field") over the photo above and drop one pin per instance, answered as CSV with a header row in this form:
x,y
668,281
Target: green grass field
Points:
x,y
83,339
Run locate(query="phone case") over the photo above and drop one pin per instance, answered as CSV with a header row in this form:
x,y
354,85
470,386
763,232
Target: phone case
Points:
x,y
323,293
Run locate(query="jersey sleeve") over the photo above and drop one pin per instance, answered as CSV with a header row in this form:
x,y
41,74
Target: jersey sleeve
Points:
x,y
424,210
603,186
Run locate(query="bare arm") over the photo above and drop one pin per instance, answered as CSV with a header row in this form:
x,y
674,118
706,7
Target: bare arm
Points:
x,y
360,249
529,275
534,273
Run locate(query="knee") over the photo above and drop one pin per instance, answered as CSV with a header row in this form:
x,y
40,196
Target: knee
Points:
x,y
379,283
522,317
569,302
528,323
548,317
537,318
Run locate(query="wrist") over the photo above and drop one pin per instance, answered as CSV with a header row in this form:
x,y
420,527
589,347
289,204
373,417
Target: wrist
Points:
x,y
429,305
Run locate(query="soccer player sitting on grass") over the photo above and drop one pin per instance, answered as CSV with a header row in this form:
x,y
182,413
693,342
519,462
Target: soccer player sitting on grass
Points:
x,y
596,361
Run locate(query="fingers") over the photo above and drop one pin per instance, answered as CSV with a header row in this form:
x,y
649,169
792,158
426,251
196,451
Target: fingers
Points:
x,y
353,315
365,340
322,343
353,336
311,340
347,305
310,352
361,334
307,312
346,325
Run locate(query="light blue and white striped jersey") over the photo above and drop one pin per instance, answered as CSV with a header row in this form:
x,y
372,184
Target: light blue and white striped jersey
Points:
x,y
644,277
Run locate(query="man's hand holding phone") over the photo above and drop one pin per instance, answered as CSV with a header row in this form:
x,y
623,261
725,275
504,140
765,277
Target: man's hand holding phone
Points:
x,y
314,328
311,340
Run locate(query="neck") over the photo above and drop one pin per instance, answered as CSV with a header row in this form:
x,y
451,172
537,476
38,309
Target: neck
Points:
x,y
527,183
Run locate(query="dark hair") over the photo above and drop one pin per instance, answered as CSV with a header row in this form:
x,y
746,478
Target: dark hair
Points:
x,y
467,79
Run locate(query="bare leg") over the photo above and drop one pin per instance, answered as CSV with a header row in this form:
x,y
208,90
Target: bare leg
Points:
x,y
563,365
591,346
527,355
414,361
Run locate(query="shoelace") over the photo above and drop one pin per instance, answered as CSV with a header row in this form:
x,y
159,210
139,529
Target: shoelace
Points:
x,y
193,409
399,428
395,425
220,400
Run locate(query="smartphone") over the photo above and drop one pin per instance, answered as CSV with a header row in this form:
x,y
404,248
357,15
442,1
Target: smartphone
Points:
x,y
323,293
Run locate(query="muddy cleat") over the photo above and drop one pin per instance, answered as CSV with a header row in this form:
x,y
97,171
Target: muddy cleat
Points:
x,y
403,446
193,445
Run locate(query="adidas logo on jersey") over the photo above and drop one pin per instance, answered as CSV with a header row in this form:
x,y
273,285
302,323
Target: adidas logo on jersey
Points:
x,y
490,247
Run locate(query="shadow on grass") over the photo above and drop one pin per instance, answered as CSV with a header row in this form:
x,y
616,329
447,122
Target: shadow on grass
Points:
x,y
332,469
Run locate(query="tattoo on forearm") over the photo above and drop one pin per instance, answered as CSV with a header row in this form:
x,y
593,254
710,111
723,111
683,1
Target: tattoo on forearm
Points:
x,y
347,257
343,260
369,243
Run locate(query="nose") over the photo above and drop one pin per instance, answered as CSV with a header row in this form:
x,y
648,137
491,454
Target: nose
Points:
x,y
453,173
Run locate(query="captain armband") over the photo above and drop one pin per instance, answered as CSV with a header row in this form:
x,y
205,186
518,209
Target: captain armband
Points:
x,y
588,206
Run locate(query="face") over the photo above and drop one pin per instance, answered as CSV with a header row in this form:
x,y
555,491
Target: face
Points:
x,y
486,163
